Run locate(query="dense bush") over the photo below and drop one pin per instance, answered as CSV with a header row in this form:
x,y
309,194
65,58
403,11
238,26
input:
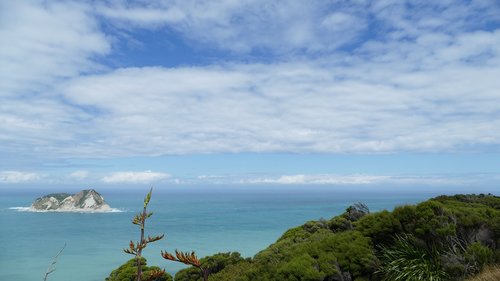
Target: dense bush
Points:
x,y
128,272
445,238
380,227
442,239
325,256
241,271
214,264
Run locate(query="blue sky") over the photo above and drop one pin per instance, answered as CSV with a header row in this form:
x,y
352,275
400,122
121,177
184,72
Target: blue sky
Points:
x,y
111,93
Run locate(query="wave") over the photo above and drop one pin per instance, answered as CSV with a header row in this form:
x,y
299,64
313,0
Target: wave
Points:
x,y
29,209
20,209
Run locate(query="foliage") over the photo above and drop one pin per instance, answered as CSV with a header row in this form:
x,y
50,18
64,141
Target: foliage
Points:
x,y
212,264
479,255
381,227
128,272
324,256
445,238
240,271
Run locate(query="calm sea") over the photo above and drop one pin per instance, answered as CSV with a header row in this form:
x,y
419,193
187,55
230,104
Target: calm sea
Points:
x,y
207,220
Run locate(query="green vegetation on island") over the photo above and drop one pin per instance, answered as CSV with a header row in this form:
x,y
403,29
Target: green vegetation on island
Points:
x,y
444,238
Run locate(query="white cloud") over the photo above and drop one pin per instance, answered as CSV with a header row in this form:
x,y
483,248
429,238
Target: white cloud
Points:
x,y
142,16
18,177
339,21
79,175
146,177
135,177
344,179
46,42
299,107
284,27
320,179
436,90
244,26
360,179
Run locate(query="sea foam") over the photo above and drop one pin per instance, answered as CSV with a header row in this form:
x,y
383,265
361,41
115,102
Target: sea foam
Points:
x,y
29,209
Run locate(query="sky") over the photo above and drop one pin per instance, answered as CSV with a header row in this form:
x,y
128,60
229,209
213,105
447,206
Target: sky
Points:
x,y
116,93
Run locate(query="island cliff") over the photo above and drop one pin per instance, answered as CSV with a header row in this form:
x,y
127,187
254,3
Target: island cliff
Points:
x,y
85,200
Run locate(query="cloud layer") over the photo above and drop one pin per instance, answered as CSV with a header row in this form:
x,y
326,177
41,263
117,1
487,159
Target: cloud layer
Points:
x,y
341,77
135,177
291,27
161,178
9,177
294,107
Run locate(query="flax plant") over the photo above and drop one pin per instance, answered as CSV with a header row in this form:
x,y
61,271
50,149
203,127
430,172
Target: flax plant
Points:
x,y
189,259
407,261
135,248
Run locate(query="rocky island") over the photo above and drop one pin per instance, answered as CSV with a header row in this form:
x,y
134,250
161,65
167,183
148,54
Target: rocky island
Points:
x,y
87,200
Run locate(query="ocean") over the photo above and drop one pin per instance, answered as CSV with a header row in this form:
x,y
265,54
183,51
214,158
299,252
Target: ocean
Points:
x,y
207,220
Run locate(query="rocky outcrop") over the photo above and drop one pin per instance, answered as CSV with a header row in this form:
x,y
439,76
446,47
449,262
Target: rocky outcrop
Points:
x,y
85,200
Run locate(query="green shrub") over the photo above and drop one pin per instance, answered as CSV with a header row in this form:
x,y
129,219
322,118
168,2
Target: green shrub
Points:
x,y
380,227
214,264
302,267
241,271
128,272
445,238
479,255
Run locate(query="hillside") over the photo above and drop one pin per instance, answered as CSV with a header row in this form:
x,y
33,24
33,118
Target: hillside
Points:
x,y
444,238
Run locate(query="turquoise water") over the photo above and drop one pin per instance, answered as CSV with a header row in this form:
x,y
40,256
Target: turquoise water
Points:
x,y
205,220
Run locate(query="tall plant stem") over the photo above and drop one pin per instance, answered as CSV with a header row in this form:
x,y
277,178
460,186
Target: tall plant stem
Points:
x,y
141,243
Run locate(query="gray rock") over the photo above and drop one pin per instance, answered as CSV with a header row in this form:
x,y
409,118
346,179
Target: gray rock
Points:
x,y
85,200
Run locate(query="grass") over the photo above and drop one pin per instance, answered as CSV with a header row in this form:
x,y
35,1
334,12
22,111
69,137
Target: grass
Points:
x,y
490,273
